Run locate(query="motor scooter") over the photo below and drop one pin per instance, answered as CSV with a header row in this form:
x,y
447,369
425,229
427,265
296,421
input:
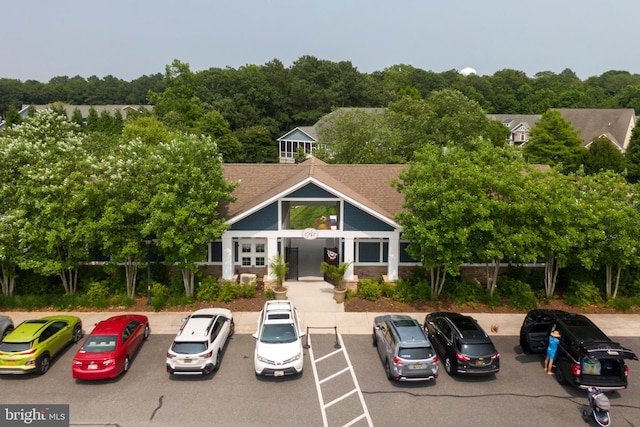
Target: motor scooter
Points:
x,y
599,407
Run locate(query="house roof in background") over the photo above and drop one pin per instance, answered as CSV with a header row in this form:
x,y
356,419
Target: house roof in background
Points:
x,y
84,109
614,123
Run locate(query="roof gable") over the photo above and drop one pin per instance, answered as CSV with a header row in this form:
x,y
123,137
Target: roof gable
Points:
x,y
297,134
615,124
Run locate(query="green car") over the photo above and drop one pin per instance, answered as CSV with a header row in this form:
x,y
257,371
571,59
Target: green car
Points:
x,y
33,343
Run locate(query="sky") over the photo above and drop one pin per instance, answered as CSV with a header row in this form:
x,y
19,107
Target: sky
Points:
x,y
127,39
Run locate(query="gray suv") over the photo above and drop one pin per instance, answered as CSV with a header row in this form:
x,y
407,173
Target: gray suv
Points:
x,y
405,350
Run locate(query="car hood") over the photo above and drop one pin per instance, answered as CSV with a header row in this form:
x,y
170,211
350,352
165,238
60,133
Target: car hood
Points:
x,y
278,352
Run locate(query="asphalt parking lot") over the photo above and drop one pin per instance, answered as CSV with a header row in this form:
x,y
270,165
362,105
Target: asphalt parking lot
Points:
x,y
338,387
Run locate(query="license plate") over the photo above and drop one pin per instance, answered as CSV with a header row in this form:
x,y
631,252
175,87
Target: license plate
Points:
x,y
417,366
480,362
187,360
11,362
278,373
92,366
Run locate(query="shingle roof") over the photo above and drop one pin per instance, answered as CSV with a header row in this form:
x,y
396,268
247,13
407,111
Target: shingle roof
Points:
x,y
369,185
614,123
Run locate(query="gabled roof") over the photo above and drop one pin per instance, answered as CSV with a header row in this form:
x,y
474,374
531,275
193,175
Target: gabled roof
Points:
x,y
368,185
301,133
615,123
512,121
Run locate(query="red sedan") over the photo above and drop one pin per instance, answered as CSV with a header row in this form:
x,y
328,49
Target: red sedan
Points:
x,y
108,350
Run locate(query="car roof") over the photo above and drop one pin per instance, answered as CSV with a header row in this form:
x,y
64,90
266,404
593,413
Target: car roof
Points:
x,y
197,326
112,325
467,327
578,325
278,311
27,330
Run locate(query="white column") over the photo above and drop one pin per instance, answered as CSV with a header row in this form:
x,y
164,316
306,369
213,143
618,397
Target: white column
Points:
x,y
227,256
272,250
349,256
393,256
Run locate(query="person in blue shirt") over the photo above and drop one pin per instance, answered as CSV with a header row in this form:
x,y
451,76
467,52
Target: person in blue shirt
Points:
x,y
554,340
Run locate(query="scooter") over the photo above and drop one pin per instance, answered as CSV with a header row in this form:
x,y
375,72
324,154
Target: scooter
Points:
x,y
599,407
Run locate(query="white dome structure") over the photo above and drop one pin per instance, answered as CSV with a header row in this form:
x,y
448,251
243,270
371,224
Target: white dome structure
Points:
x,y
467,71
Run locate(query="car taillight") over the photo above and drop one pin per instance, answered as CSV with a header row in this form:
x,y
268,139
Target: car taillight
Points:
x,y
77,363
462,357
109,362
575,369
626,371
33,350
435,360
208,354
397,361
495,356
170,356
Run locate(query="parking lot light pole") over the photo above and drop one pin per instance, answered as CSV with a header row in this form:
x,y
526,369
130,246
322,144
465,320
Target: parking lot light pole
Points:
x,y
148,242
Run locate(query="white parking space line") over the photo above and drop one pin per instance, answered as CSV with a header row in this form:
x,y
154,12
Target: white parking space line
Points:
x,y
348,368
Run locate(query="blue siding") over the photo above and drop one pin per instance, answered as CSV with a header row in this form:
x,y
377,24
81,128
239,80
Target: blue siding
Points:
x,y
311,191
216,251
357,220
404,256
297,135
265,219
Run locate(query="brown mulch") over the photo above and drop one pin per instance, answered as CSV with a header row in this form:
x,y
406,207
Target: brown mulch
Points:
x,y
355,304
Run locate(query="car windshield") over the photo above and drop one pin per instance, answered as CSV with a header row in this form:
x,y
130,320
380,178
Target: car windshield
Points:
x,y
278,333
15,347
478,349
100,343
189,347
415,353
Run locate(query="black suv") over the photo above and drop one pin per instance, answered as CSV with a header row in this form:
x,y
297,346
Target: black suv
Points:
x,y
586,356
463,346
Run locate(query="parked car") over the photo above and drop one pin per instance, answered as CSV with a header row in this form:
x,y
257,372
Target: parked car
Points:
x,y
463,346
32,345
198,346
278,340
404,349
6,326
586,356
108,350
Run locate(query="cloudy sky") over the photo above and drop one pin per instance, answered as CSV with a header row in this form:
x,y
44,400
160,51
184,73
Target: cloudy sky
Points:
x,y
42,39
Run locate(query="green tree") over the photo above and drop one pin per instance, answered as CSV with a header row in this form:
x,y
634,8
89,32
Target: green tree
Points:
x,y
184,205
554,142
212,124
601,155
56,218
632,155
257,145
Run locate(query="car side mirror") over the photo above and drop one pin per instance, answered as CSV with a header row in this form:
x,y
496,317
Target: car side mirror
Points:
x,y
254,336
303,334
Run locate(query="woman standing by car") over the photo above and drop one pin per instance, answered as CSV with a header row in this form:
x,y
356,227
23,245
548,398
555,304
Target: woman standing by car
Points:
x,y
554,340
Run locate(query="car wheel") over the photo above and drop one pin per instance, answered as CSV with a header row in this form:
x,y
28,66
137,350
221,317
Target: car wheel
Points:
x,y
77,333
448,366
125,367
387,369
560,376
43,364
217,365
147,331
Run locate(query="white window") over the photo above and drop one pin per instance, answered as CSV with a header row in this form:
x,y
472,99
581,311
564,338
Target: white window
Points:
x,y
252,252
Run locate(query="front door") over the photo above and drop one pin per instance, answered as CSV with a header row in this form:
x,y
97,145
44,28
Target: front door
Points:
x,y
291,258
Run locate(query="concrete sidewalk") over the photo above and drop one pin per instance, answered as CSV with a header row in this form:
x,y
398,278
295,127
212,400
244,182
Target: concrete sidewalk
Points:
x,y
623,325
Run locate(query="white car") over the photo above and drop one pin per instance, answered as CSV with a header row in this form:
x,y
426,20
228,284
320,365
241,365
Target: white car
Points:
x,y
198,346
278,340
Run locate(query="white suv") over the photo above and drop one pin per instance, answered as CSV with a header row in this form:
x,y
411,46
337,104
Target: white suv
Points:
x,y
197,349
278,340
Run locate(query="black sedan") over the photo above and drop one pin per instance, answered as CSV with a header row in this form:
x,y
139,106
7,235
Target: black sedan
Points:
x,y
463,346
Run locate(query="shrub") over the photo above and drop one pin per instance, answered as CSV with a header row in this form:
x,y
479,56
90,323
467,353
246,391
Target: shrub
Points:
x,y
98,294
387,289
369,290
159,296
402,291
621,303
228,292
518,294
268,294
583,294
122,300
248,290
463,291
208,289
